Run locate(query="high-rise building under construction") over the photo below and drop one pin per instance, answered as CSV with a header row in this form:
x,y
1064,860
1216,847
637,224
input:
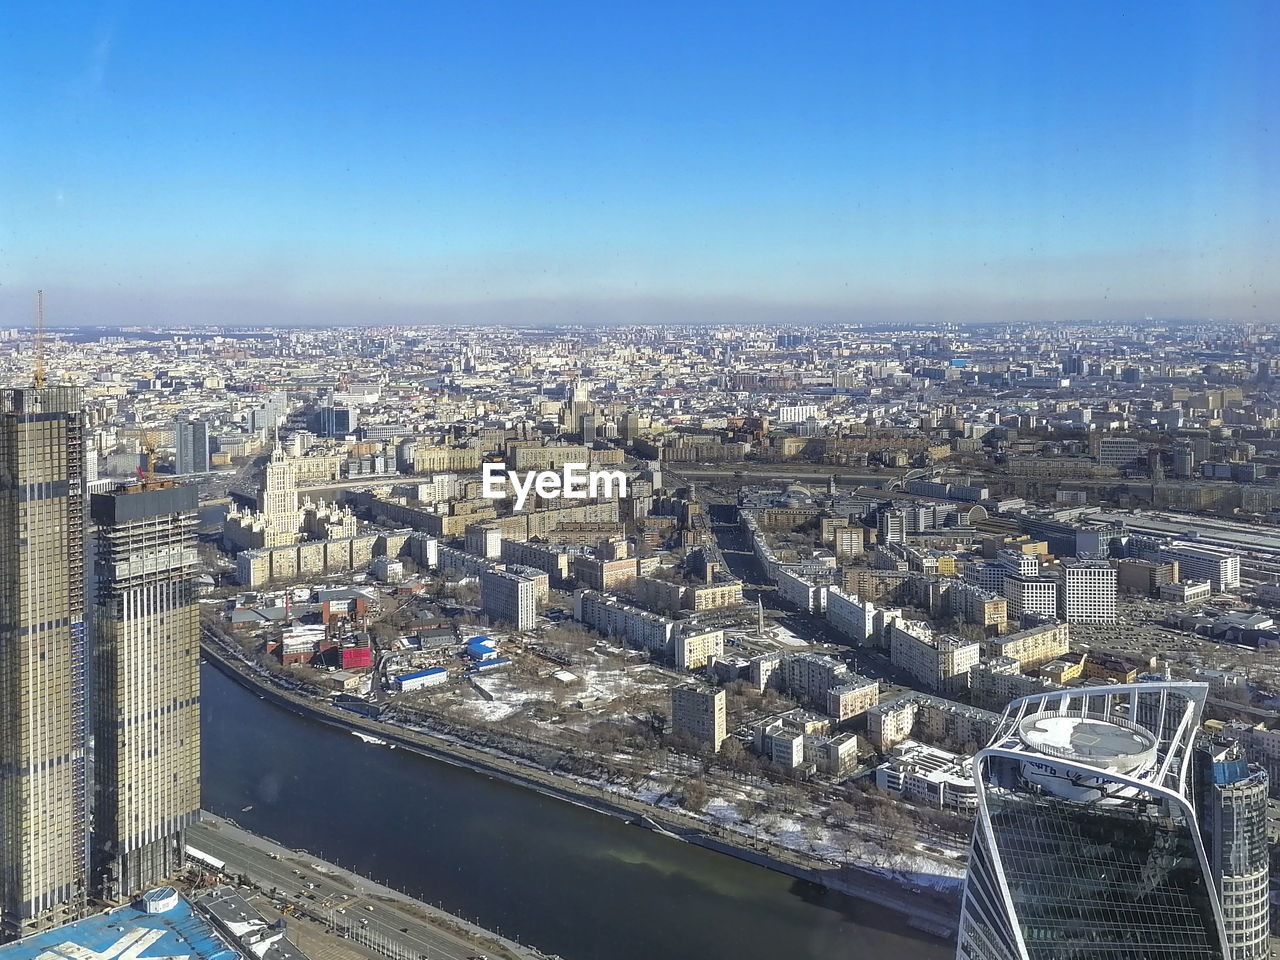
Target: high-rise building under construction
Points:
x,y
44,721
146,686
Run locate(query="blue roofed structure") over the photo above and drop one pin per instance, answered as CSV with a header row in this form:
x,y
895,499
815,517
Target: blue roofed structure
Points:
x,y
164,925
161,925
419,674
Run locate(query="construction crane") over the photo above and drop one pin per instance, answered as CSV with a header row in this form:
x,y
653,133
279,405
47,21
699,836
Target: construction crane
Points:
x,y
147,444
39,377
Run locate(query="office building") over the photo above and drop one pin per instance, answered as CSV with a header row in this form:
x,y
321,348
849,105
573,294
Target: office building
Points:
x,y
1220,567
1231,806
146,685
701,712
1087,591
44,724
192,447
1087,843
1118,453
1031,597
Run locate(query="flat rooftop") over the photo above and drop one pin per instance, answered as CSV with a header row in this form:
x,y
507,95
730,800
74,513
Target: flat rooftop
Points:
x,y
179,933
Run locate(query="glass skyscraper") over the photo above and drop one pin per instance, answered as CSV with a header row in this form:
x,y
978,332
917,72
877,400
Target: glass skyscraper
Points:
x,y
1086,845
1231,805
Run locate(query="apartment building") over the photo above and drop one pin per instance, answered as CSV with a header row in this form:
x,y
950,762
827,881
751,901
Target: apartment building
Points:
x,y
1032,647
938,661
852,699
695,648
700,711
508,597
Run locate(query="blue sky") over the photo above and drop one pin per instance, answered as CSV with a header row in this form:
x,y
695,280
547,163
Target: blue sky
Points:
x,y
374,162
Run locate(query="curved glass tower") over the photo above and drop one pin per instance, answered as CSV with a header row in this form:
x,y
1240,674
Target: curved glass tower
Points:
x,y
1086,845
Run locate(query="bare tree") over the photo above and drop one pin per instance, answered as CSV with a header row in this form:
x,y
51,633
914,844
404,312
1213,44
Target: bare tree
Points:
x,y
695,795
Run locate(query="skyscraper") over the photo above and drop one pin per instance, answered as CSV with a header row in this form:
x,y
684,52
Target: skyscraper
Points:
x,y
279,499
192,447
1231,805
1086,845
146,706
43,661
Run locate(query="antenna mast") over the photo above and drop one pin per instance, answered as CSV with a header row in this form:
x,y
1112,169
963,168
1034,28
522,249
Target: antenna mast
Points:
x,y
39,378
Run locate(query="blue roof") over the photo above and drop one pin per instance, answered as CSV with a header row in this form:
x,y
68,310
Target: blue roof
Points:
x,y
482,641
179,932
434,671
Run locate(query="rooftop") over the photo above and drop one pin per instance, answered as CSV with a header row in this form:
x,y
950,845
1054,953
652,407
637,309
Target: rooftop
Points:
x,y
178,933
1107,744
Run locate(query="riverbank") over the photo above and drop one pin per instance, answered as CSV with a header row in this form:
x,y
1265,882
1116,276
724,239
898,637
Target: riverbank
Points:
x,y
924,908
346,904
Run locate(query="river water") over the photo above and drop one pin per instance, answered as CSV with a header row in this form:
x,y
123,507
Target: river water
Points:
x,y
555,876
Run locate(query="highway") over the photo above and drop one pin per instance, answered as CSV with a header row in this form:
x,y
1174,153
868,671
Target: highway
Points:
x,y
354,901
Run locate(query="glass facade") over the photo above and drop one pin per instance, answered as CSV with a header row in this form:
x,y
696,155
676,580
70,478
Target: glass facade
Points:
x,y
1103,881
1086,847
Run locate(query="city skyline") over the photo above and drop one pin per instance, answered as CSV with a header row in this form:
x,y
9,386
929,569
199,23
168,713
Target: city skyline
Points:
x,y
574,166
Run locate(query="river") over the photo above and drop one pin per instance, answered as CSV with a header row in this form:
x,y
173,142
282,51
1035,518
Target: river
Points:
x,y
547,873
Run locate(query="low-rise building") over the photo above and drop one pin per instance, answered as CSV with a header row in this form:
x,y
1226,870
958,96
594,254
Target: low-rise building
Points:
x,y
420,679
929,776
852,699
1188,591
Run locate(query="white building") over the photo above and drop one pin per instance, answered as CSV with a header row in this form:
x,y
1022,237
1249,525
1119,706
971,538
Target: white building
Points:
x,y
484,540
612,617
1031,597
798,413
1221,568
421,678
850,616
510,598
929,776
803,593
1087,591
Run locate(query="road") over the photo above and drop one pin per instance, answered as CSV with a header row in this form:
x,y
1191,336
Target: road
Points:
x,y
354,900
